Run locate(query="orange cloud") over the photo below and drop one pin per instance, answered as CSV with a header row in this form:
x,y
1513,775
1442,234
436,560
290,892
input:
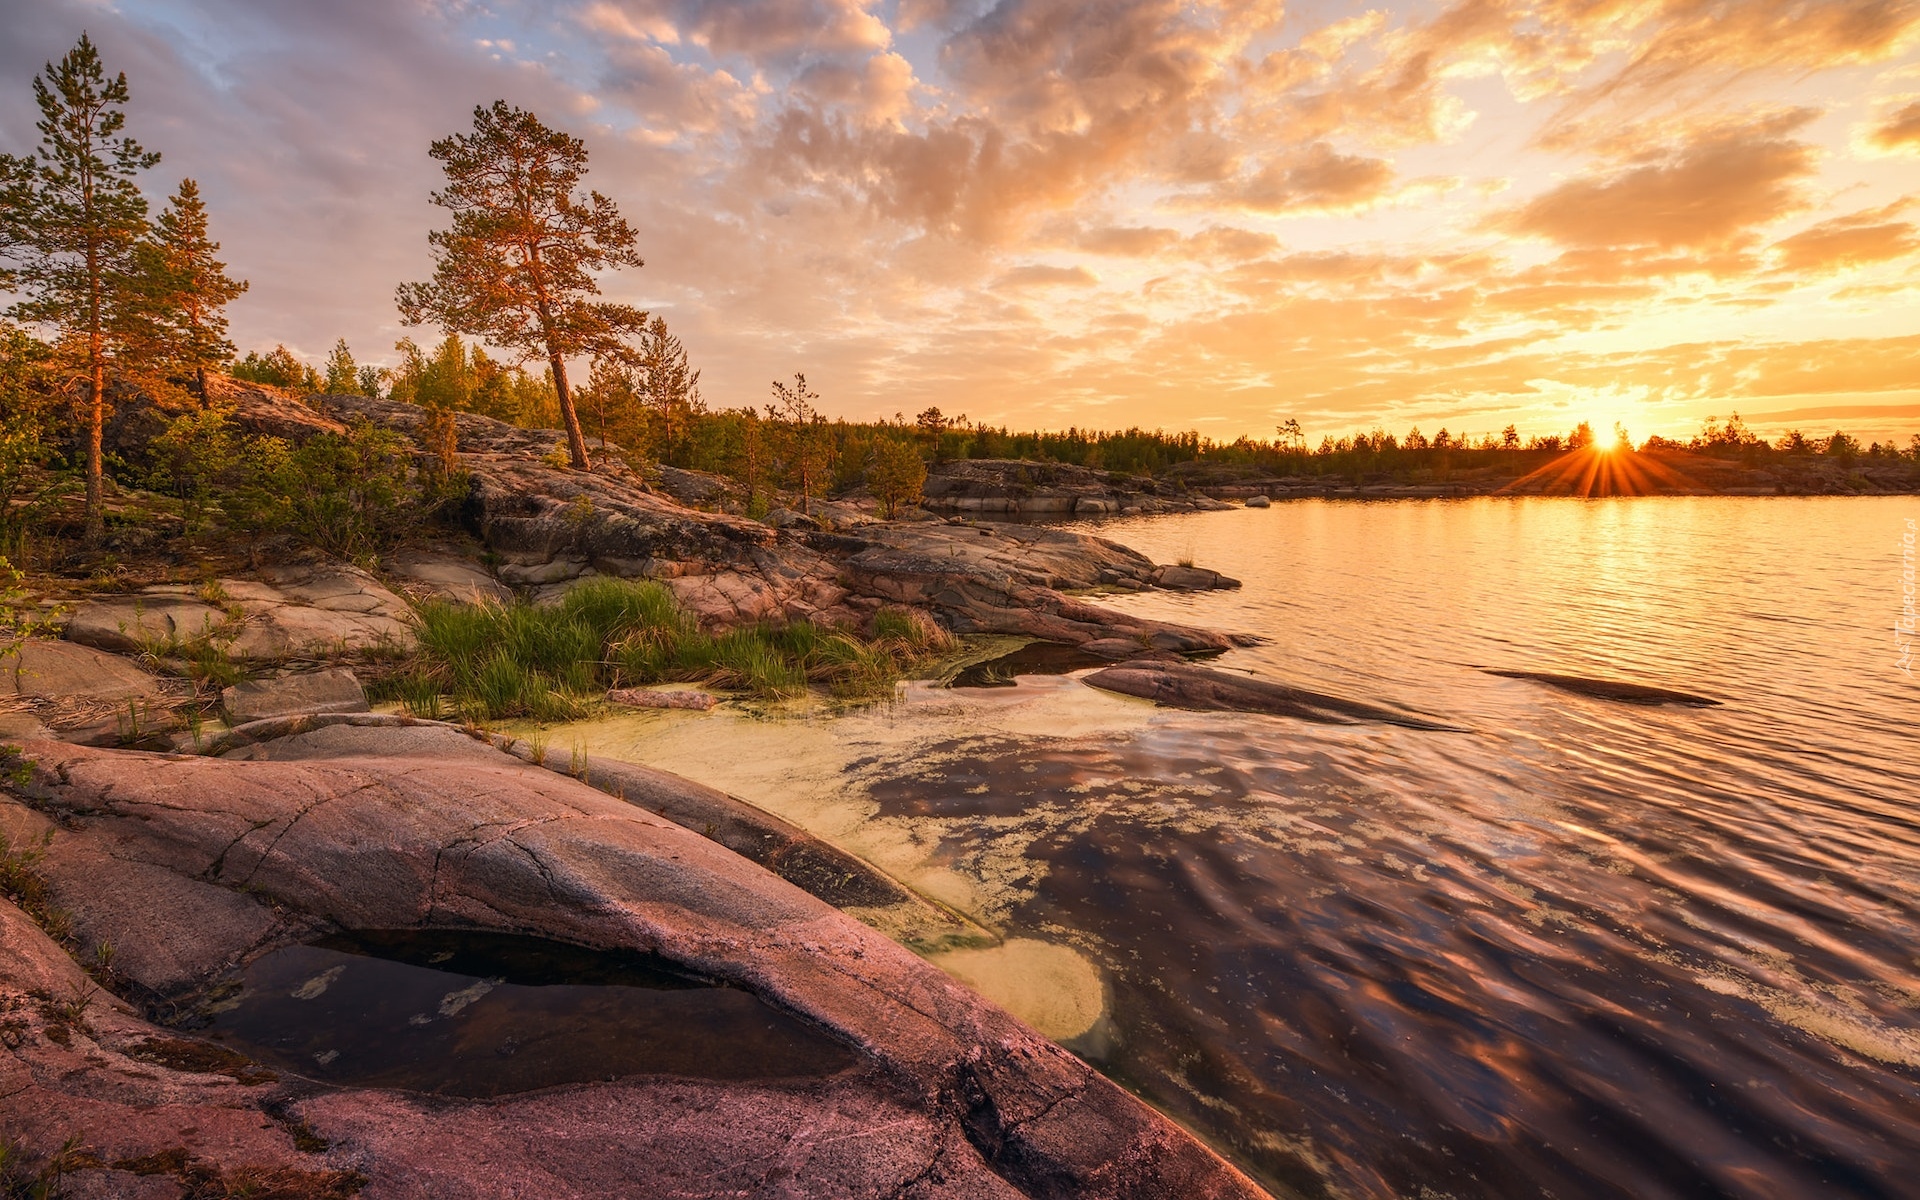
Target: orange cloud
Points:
x,y
1042,275
1318,179
1869,236
1899,131
1134,240
1707,193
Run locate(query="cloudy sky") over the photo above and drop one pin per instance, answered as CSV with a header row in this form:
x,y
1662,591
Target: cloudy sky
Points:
x,y
1214,215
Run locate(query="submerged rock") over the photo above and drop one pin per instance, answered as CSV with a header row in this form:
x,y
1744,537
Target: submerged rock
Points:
x,y
1183,685
1192,579
408,828
659,698
1609,689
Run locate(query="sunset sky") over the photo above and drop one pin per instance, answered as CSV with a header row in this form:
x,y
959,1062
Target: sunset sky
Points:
x,y
1041,212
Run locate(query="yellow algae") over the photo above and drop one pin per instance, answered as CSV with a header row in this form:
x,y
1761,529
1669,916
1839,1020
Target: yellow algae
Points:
x,y
1053,988
803,767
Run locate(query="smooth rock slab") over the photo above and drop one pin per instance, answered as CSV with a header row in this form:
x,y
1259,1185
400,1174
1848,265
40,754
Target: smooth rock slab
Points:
x,y
133,624
333,691
47,669
291,612
952,1097
450,578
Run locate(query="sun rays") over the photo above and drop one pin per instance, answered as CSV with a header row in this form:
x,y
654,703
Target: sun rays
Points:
x,y
1603,469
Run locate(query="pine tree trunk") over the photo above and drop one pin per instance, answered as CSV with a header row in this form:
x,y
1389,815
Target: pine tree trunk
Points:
x,y
576,441
96,515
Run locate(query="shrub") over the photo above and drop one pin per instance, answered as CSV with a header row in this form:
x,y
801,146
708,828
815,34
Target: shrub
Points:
x,y
197,455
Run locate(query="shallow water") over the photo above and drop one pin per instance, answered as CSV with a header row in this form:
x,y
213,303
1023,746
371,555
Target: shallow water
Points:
x,y
1586,949
483,1014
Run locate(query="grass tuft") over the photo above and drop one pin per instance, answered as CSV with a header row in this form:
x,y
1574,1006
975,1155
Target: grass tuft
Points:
x,y
550,662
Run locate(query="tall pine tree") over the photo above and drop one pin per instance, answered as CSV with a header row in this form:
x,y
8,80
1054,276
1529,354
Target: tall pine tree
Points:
x,y
71,218
188,289
517,267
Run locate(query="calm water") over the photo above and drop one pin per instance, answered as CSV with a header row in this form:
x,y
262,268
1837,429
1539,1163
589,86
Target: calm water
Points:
x,y
1585,950
465,1013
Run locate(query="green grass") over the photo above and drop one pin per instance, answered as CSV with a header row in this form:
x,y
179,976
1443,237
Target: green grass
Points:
x,y
551,663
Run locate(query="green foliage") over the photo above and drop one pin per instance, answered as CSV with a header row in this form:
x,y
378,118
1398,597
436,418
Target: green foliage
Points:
x,y
458,377
517,268
199,454
350,495
346,495
803,444
343,374
550,662
19,618
27,403
895,475
277,368
645,396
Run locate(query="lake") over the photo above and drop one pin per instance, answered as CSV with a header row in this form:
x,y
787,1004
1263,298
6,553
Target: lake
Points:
x,y
1583,949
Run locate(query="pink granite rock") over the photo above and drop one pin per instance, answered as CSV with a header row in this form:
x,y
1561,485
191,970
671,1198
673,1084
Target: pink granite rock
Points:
x,y
950,1096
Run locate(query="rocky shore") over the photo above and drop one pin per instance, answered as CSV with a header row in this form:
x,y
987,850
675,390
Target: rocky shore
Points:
x,y
142,884
165,874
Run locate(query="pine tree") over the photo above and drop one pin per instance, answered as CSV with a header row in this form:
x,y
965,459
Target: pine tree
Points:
x,y
71,218
343,374
189,288
803,442
516,268
670,386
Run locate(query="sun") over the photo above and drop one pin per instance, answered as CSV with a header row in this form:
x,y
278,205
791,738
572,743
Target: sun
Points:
x,y
1611,432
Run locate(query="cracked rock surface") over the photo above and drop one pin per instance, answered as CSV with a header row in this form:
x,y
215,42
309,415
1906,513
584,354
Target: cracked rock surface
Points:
x,y
191,867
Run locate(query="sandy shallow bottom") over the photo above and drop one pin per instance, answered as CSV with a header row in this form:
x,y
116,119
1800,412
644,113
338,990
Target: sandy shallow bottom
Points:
x,y
813,765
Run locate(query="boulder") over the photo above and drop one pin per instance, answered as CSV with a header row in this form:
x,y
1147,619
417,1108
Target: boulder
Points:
x,y
447,577
39,668
153,622
289,612
786,518
990,485
22,727
550,525
1191,579
1259,502
1610,689
948,1096
333,691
